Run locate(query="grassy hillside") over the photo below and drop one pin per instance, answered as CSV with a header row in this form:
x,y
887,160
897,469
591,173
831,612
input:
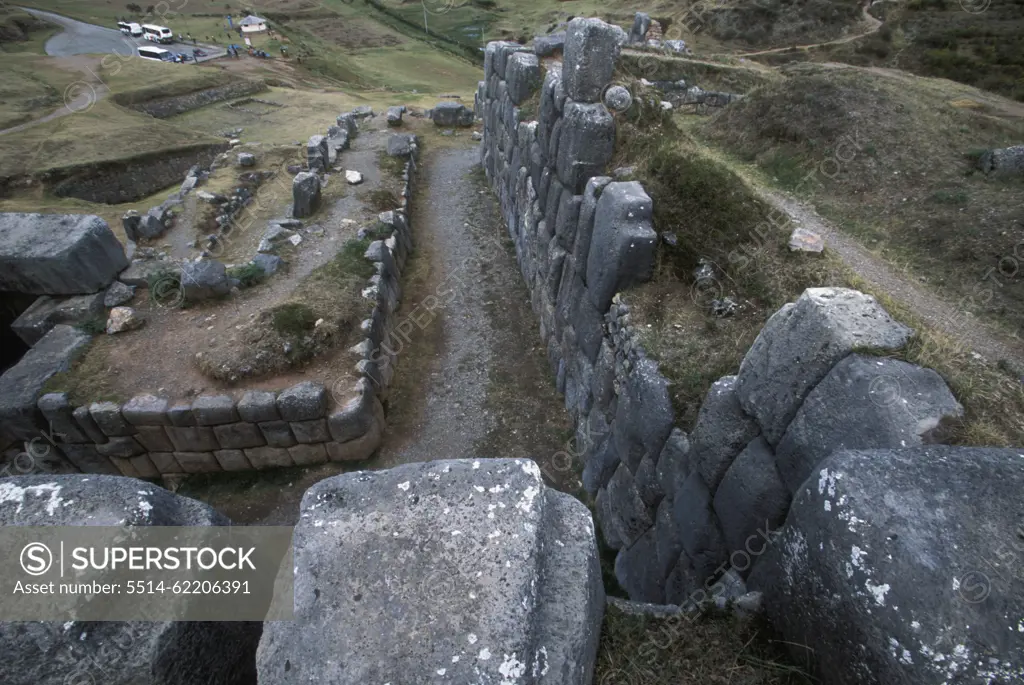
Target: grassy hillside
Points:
x,y
895,156
32,85
21,32
101,133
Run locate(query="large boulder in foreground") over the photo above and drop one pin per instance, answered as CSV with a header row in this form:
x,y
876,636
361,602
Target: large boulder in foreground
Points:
x,y
467,571
58,254
903,566
114,652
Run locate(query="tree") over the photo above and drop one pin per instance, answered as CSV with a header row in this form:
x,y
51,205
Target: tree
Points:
x,y
133,8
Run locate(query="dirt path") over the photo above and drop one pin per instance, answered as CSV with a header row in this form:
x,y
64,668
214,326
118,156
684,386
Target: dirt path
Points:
x,y
937,312
472,380
873,26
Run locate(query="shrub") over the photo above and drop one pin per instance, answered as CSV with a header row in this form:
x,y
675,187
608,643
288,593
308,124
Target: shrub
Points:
x,y
293,319
248,274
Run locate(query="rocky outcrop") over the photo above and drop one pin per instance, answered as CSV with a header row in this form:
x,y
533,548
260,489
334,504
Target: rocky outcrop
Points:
x,y
473,571
58,254
690,516
898,566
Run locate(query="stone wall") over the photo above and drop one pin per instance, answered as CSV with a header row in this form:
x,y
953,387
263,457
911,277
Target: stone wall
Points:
x,y
683,511
132,179
179,104
152,437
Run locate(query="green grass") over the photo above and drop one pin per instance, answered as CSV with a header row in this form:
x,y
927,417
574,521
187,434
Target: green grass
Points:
x,y
20,32
104,132
248,274
293,319
32,86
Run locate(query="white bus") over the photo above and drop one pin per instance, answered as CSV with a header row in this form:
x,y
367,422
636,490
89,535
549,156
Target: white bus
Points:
x,y
157,34
130,29
158,54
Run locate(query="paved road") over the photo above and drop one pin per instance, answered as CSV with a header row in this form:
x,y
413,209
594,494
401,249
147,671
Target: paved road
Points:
x,y
80,38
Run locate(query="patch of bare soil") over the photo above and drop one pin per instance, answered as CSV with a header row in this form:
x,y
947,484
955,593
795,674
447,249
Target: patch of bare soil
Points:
x,y
168,354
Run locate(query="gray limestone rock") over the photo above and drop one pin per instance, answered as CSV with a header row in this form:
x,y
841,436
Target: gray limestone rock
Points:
x,y
394,115
522,76
204,280
799,346
751,498
897,566
641,22
674,463
698,528
623,244
303,402
117,653
22,384
450,114
118,294
401,144
546,46
628,517
585,143
46,312
1007,161
585,227
865,403
317,153
641,579
257,406
644,415
214,410
305,194
591,49
472,571
722,430
58,254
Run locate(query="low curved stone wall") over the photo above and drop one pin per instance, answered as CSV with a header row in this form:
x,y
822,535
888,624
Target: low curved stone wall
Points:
x,y
179,104
130,180
151,437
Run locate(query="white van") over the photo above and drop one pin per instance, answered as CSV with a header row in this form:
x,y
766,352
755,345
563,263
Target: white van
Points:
x,y
157,34
159,54
130,29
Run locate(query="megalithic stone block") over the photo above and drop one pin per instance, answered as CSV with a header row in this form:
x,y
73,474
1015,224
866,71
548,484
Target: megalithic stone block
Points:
x,y
591,49
623,243
586,142
507,589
